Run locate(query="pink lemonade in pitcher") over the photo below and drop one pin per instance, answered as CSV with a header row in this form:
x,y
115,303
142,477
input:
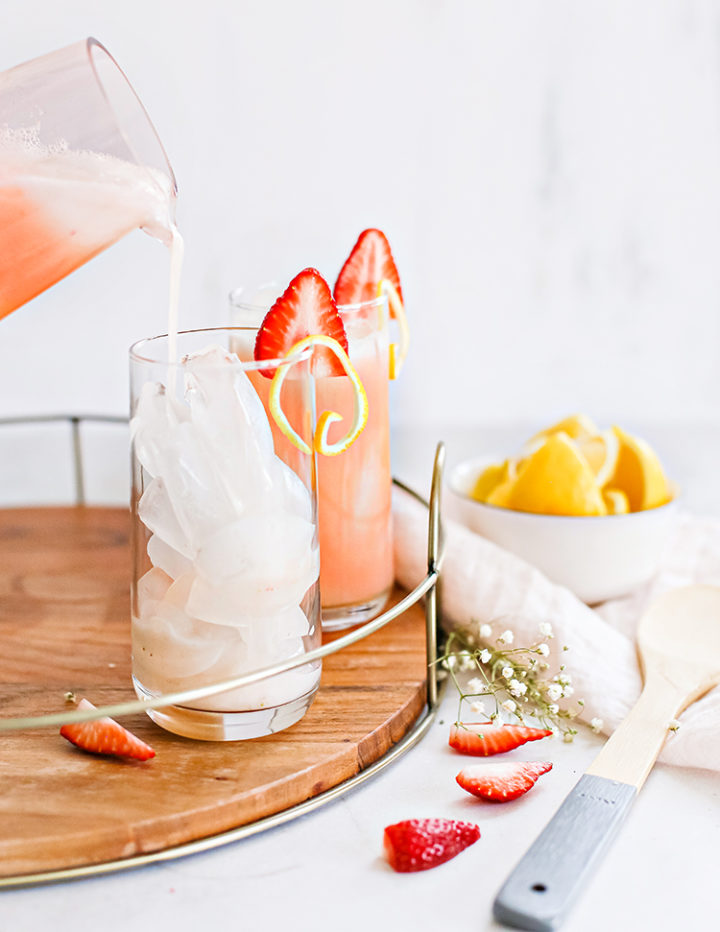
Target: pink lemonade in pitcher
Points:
x,y
58,210
80,166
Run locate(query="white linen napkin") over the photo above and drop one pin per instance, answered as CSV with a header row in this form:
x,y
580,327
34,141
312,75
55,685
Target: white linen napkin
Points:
x,y
483,583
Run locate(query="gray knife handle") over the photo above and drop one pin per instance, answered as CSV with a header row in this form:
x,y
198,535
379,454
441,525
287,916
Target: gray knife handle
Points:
x,y
542,887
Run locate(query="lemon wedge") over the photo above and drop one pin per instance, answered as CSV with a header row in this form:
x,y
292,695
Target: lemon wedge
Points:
x,y
397,313
501,495
616,501
488,479
576,426
555,479
327,418
491,477
638,473
573,468
601,451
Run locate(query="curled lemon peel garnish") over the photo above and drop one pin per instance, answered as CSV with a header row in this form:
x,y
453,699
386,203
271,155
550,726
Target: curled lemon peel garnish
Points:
x,y
397,312
320,437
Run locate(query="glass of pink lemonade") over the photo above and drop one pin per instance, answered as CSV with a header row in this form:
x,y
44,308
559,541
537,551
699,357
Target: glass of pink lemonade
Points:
x,y
225,547
80,166
354,488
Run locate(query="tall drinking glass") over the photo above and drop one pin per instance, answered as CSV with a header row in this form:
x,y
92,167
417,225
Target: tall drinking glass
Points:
x,y
225,548
355,488
80,166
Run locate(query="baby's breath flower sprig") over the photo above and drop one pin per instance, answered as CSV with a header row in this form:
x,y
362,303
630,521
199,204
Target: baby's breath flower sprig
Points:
x,y
515,679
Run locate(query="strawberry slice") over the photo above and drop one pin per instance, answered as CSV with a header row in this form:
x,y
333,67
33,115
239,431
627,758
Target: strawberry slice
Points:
x,y
105,736
499,783
483,738
368,264
419,844
305,308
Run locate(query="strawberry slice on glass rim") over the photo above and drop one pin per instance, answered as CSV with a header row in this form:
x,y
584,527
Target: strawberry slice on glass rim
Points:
x,y
304,320
371,261
304,309
370,272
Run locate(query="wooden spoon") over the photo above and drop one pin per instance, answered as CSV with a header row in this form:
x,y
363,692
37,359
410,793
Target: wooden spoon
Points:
x,y
679,648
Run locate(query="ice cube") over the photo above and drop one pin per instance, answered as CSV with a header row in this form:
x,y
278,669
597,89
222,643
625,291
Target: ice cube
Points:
x,y
169,446
165,557
179,591
151,588
211,460
156,415
170,645
292,623
240,600
257,565
292,490
220,605
230,418
266,546
266,642
196,485
157,514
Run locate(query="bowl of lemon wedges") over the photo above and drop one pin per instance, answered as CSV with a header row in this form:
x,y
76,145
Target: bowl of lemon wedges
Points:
x,y
592,509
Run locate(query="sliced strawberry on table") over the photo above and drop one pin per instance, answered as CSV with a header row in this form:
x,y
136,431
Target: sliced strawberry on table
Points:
x,y
499,783
419,844
370,262
304,309
484,738
105,736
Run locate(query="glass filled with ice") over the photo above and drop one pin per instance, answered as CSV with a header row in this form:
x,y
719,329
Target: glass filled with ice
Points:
x,y
225,540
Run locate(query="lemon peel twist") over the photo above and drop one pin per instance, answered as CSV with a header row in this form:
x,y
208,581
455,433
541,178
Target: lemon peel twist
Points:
x,y
320,436
397,312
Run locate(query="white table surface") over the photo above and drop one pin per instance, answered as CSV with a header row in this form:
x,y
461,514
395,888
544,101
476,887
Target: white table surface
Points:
x,y
326,870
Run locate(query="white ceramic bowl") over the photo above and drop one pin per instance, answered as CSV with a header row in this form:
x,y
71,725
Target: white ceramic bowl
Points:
x,y
597,558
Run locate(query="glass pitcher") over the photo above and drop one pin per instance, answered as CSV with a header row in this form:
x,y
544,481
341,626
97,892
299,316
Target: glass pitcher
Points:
x,y
81,165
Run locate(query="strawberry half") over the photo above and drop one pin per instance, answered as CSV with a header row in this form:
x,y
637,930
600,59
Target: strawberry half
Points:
x,y
483,738
499,783
105,736
305,308
419,844
368,264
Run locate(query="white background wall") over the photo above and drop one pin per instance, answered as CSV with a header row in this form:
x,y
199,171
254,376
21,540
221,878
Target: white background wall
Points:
x,y
547,172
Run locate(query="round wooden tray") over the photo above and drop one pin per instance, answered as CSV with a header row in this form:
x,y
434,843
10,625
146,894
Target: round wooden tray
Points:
x,y
64,626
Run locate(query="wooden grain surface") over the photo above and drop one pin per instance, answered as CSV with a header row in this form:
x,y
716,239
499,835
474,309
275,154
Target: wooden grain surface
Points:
x,y
64,626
